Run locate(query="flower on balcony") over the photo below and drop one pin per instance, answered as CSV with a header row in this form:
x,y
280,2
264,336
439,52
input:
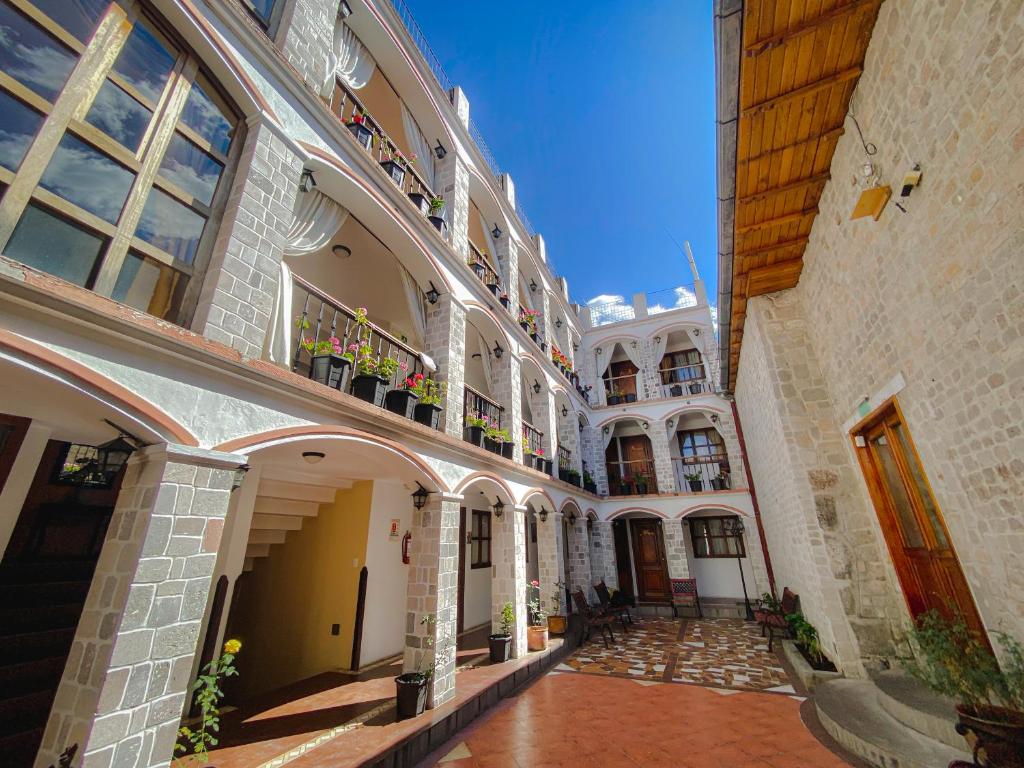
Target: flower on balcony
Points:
x,y
388,366
427,390
539,452
529,317
331,346
361,318
497,435
358,118
478,421
436,205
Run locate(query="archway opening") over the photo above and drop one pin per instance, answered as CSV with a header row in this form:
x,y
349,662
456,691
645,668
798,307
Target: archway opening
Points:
x,y
629,458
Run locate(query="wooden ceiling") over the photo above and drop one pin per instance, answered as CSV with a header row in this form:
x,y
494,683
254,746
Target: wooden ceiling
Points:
x,y
799,64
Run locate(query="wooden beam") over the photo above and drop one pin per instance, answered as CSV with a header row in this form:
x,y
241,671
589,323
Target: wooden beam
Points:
x,y
807,26
774,277
833,133
799,241
778,221
794,186
799,93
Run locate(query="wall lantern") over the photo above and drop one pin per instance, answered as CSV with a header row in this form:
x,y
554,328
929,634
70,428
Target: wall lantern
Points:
x,y
696,331
536,387
113,455
306,181
581,427
598,350
312,457
498,351
419,496
543,515
646,425
657,339
344,9
558,322
440,151
565,411
533,285
572,518
432,295
575,347
499,508
239,476
496,232
604,430
714,417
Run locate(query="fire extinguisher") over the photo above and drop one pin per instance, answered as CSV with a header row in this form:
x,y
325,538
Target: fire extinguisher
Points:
x,y
405,547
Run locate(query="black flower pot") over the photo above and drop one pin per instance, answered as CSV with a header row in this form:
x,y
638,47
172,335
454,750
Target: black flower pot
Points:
x,y
411,689
363,134
630,397
428,414
574,478
478,269
696,485
495,288
538,463
501,648
394,170
474,435
717,484
421,201
332,370
401,401
641,489
525,326
624,489
563,475
675,390
507,450
695,388
528,459
591,486
492,445
536,337
505,301
439,223
370,388
549,467
614,399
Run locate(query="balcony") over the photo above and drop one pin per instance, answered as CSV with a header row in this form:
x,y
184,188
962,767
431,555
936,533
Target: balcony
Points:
x,y
635,477
566,472
685,380
533,449
698,474
620,389
589,483
487,274
530,321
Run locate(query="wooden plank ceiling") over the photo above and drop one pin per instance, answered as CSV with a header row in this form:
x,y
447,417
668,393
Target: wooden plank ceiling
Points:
x,y
799,64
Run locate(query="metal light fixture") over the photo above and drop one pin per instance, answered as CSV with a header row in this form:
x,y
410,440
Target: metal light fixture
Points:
x,y
646,425
499,508
432,295
565,411
496,232
575,347
498,351
239,476
714,417
657,339
536,387
558,322
312,457
113,455
533,285
734,527
543,515
572,518
306,181
341,251
419,496
344,9
604,430
440,151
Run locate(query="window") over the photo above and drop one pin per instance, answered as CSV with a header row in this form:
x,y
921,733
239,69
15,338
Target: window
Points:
x,y
480,540
700,442
711,540
263,10
681,367
126,192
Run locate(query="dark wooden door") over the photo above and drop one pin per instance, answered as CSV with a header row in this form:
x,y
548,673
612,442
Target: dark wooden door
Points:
x,y
622,558
624,376
462,568
649,560
915,533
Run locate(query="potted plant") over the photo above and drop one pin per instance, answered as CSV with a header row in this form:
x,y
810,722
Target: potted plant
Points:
x,y
504,299
588,482
370,383
528,320
720,482
405,398
676,390
695,482
641,484
695,387
494,287
556,619
474,429
329,364
501,643
953,661
435,214
358,126
528,459
574,477
421,201
411,687
614,396
495,439
394,165
431,395
537,632
476,265
503,442
629,397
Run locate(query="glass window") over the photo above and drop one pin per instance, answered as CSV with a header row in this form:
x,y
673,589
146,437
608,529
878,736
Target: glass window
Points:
x,y
54,245
923,493
480,539
145,61
79,17
711,540
191,169
31,56
700,442
262,8
170,226
88,178
898,492
149,286
18,126
119,116
204,116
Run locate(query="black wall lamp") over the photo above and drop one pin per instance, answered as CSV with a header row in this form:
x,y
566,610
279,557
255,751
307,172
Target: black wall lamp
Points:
x,y
558,322
496,232
432,295
572,518
536,387
306,181
498,351
543,515
499,508
533,286
565,411
344,9
440,151
419,496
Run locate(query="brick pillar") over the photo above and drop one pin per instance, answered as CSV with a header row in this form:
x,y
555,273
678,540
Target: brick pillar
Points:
x,y
547,322
507,254
128,673
446,345
452,182
727,428
237,297
508,585
508,388
579,559
662,458
592,449
433,591
676,553
306,36
569,436
602,554
550,567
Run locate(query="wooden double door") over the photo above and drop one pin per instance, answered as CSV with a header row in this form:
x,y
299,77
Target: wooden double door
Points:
x,y
643,546
915,532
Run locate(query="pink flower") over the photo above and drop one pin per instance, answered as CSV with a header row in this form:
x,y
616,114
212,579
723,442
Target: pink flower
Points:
x,y
404,366
536,583
353,347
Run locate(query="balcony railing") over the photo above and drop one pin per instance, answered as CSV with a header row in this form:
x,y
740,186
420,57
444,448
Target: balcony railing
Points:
x,y
685,380
480,406
322,317
564,458
533,438
631,478
696,474
618,383
484,269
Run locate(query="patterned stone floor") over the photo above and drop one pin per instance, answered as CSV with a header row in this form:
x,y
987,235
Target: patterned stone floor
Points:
x,y
723,653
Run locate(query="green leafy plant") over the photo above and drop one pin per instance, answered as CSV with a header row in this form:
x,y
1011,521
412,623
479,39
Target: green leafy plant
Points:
x,y
427,390
497,435
805,635
436,205
556,598
587,477
770,603
478,421
388,366
508,619
208,695
692,477
536,612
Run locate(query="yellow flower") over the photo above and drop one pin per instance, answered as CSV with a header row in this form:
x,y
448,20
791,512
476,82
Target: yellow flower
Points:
x,y
232,646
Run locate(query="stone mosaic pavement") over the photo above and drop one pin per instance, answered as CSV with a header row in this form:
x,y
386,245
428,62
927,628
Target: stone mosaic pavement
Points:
x,y
723,653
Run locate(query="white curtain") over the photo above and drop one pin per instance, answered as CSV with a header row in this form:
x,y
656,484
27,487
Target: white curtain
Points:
x,y
608,437
524,289
349,60
419,146
604,356
660,344
485,361
414,298
316,220
635,357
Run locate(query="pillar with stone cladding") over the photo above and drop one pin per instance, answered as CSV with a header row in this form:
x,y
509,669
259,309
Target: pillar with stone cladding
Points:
x,y
550,564
306,36
569,436
507,254
663,468
602,554
432,593
677,555
508,584
580,576
451,179
445,343
507,388
127,678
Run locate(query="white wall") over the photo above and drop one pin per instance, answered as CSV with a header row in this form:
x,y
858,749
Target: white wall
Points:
x,y
384,618
719,576
477,600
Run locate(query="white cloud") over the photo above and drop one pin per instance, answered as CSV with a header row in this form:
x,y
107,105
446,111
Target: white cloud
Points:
x,y
609,308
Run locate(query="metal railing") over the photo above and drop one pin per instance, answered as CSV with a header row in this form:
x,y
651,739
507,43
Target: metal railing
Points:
x,y
564,458
631,478
613,383
671,298
322,317
610,312
533,438
482,266
696,474
480,406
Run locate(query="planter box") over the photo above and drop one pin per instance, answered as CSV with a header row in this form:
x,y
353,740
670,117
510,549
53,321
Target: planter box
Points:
x,y
574,479
363,134
394,170
370,388
630,397
809,676
524,326
478,269
495,288
556,624
505,301
439,223
420,201
500,647
331,370
549,467
676,390
402,402
507,450
641,489
411,695
492,445
590,487
474,435
538,462
614,399
535,337
528,459
695,389
697,486
428,414
718,484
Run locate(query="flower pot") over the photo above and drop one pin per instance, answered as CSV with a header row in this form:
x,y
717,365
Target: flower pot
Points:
x,y
528,459
439,223
411,690
332,370
695,388
630,397
574,478
676,390
370,388
535,336
362,134
478,269
508,450
421,201
998,731
394,170
538,463
501,648
525,326
474,435
536,638
641,489
495,288
624,489
590,487
505,301
401,401
717,484
493,446
614,399
556,624
696,485
549,467
428,414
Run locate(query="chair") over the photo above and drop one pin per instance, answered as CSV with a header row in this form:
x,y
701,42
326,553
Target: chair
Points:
x,y
592,619
684,595
773,619
621,612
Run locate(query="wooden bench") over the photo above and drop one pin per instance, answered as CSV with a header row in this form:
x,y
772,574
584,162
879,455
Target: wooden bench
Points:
x,y
772,619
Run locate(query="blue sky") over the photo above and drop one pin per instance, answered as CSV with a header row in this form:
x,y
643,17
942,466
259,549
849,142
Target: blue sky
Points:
x,y
603,113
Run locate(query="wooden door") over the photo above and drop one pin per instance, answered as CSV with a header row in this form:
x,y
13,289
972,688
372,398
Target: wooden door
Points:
x,y
639,463
649,560
462,570
622,557
624,376
918,541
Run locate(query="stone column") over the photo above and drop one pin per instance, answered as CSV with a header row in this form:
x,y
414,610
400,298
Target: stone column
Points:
x,y
547,324
550,567
662,457
127,677
238,295
508,584
727,429
593,445
579,559
602,554
446,346
508,391
452,182
507,254
432,594
306,35
675,533
569,436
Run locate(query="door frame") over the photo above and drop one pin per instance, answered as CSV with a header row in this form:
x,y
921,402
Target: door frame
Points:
x,y
659,524
461,596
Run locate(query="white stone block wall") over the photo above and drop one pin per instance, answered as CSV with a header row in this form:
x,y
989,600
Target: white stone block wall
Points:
x,y
451,176
676,554
446,345
579,559
508,388
551,565
305,36
508,585
602,554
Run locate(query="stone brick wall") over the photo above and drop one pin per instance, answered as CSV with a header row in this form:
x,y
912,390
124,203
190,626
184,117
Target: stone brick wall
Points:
x,y
508,555
676,553
551,565
306,35
128,673
452,180
579,559
602,554
237,298
446,345
508,392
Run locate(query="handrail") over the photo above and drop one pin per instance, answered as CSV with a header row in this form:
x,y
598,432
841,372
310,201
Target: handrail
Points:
x,y
481,405
533,437
564,457
713,471
477,256
697,367
626,474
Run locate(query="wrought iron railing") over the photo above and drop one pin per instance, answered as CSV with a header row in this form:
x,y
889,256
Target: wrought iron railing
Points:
x,y
685,380
564,458
321,317
533,438
631,478
696,474
619,384
480,406
482,267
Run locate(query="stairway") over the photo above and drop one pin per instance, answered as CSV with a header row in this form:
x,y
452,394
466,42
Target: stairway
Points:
x,y
40,604
281,506
890,721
